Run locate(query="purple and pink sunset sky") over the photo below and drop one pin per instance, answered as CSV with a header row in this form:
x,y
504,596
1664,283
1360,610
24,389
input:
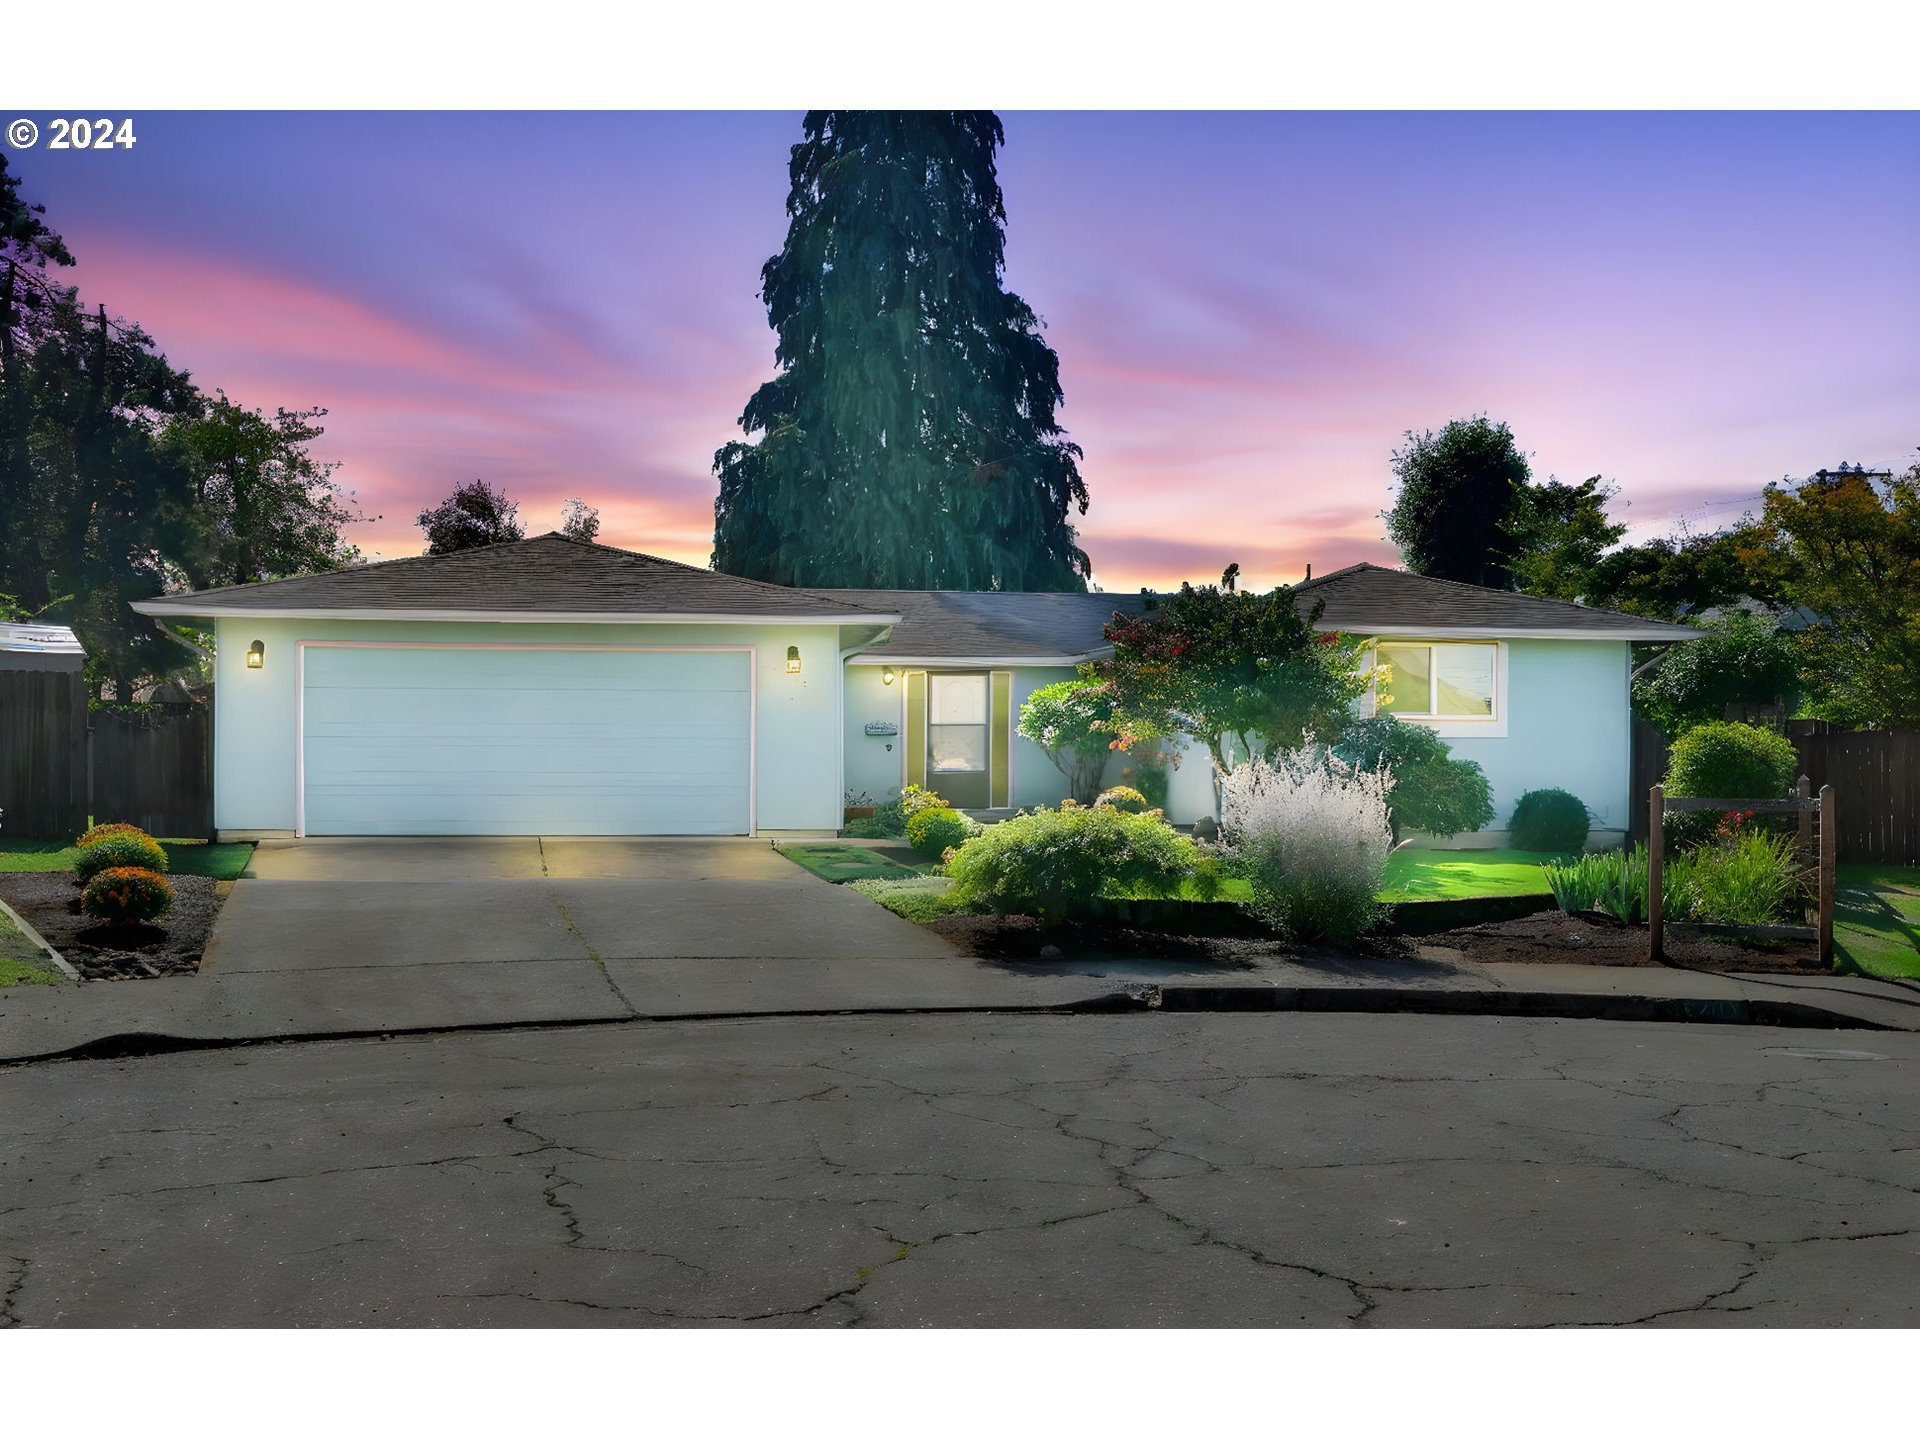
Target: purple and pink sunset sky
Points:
x,y
1250,309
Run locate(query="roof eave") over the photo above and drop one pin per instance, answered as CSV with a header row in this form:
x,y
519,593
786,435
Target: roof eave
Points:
x,y
1056,661
1518,632
184,610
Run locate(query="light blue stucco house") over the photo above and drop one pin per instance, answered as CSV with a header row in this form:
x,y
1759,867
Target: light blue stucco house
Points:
x,y
559,688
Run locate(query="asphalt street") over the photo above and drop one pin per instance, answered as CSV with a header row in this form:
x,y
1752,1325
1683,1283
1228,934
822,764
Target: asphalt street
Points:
x,y
977,1170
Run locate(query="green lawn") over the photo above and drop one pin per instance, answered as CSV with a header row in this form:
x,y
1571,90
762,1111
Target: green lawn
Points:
x,y
1445,875
21,962
1876,920
843,863
184,857
1414,874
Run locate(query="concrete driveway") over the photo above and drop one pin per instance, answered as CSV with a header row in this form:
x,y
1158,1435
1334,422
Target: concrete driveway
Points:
x,y
641,919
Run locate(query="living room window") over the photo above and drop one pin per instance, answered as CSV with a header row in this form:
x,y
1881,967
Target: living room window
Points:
x,y
1456,681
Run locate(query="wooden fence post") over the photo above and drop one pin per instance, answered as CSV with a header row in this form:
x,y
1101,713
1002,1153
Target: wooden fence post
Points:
x,y
1656,872
1829,852
1804,789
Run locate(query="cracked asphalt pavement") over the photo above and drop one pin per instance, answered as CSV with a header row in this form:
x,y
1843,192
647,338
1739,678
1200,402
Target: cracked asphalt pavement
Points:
x,y
977,1170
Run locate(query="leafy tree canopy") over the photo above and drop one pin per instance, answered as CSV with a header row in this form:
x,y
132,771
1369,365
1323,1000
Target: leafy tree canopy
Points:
x,y
1676,578
1558,534
1848,550
118,477
1741,660
909,439
1458,488
580,521
261,505
1245,674
1068,720
475,514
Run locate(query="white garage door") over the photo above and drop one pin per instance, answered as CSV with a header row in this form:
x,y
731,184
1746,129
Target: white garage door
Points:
x,y
449,740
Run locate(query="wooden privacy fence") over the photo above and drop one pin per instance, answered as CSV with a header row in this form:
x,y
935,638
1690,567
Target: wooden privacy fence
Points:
x,y
43,753
1875,775
59,764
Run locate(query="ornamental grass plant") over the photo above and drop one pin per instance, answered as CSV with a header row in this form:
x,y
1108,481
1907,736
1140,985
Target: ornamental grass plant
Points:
x,y
1311,834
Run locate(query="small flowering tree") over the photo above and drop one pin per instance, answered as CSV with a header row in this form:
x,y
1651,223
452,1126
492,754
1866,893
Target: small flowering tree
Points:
x,y
1244,674
1065,719
1311,833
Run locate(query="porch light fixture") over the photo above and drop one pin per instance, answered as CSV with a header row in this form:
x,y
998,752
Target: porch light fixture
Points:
x,y
257,655
886,675
793,659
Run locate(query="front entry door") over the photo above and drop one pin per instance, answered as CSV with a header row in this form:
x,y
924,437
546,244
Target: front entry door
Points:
x,y
957,739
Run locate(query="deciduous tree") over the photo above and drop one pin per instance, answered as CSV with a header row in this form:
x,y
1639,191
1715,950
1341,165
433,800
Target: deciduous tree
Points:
x,y
261,506
1848,550
475,514
1244,674
1559,533
1457,490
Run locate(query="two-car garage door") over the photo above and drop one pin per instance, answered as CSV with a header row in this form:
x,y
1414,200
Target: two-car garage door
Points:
x,y
475,740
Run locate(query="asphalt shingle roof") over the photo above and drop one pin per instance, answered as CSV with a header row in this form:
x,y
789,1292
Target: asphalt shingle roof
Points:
x,y
552,574
549,573
984,624
1363,597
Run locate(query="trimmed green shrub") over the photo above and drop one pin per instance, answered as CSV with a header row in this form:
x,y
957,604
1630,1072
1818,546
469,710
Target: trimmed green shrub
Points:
x,y
1056,863
127,895
102,832
1726,758
937,829
1430,790
138,852
1124,797
1549,820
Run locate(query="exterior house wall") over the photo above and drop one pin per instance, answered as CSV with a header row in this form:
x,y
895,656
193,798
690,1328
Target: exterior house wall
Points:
x,y
1568,727
877,771
1568,717
874,766
795,728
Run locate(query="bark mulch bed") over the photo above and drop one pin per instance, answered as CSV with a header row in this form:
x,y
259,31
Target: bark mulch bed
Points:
x,y
1550,938
50,902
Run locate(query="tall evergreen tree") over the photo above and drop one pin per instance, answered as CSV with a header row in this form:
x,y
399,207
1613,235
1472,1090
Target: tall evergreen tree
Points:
x,y
909,439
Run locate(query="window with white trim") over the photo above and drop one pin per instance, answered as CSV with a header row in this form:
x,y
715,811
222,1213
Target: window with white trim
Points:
x,y
1457,680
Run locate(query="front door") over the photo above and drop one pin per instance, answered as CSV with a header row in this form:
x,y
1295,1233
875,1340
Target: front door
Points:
x,y
959,742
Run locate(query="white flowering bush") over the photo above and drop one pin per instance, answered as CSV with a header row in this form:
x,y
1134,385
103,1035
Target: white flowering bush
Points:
x,y
1310,832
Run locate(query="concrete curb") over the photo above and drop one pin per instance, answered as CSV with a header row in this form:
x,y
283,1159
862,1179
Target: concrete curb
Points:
x,y
34,937
1135,1000
1529,1004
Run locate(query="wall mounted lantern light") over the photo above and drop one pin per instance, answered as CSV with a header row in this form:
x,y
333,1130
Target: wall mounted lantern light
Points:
x,y
793,659
886,675
257,655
